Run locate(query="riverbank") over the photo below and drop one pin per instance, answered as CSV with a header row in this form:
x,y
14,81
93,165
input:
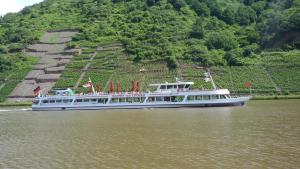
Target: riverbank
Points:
x,y
276,97
15,104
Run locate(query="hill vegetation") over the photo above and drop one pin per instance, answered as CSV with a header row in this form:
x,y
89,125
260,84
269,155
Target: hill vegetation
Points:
x,y
212,32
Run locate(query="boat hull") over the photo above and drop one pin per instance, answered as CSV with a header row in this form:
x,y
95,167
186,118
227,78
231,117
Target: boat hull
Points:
x,y
233,102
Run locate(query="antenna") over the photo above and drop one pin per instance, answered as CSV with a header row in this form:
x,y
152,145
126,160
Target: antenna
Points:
x,y
209,77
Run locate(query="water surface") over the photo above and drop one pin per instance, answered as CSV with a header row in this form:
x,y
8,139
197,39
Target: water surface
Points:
x,y
263,134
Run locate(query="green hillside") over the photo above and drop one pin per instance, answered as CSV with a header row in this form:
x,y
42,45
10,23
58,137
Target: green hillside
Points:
x,y
235,38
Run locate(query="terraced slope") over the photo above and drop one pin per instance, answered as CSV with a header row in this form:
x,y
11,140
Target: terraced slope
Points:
x,y
111,64
53,54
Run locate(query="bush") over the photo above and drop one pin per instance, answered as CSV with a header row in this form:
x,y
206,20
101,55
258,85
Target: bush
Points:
x,y
198,30
228,16
15,47
177,4
200,8
221,40
172,62
245,15
3,49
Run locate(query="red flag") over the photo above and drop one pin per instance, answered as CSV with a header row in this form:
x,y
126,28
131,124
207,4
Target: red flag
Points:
x,y
118,88
248,84
133,86
98,88
137,86
111,87
91,87
37,90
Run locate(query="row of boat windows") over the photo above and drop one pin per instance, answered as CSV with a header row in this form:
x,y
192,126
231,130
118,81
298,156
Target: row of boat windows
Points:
x,y
139,99
174,86
206,97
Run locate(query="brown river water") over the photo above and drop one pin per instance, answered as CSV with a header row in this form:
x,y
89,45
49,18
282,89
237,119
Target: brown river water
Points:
x,y
262,134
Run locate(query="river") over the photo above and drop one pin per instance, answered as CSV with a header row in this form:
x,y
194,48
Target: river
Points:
x,y
262,134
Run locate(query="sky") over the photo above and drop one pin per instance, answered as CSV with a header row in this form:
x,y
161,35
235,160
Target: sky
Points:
x,y
15,5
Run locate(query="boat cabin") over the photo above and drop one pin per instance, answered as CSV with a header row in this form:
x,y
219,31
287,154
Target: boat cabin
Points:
x,y
172,87
66,92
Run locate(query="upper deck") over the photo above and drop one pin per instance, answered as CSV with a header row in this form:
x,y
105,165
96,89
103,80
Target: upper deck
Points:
x,y
172,87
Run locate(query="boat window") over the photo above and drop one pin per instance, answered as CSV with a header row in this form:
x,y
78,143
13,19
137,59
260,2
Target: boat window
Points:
x,y
198,97
142,99
115,100
163,87
159,99
191,97
86,100
78,100
122,100
136,99
175,86
177,98
52,101
94,100
129,100
222,97
102,101
66,100
169,87
151,99
206,97
187,86
45,101
58,101
214,97
180,86
167,99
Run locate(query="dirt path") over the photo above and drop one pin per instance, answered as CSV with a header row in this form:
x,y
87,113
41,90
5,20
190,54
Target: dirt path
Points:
x,y
180,70
278,89
86,67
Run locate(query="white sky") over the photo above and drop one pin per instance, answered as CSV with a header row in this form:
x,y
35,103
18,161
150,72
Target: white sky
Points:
x,y
15,5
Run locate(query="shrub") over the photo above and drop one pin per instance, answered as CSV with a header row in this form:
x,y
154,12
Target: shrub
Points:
x,y
200,8
221,40
3,49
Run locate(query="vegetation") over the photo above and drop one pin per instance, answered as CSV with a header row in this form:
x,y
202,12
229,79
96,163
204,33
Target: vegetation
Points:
x,y
13,72
163,29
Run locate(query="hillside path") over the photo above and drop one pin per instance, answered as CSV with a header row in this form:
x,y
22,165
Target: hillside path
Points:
x,y
278,89
86,67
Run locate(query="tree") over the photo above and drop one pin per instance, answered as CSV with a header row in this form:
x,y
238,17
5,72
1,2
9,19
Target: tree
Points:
x,y
200,8
198,30
228,16
245,15
258,7
177,4
215,9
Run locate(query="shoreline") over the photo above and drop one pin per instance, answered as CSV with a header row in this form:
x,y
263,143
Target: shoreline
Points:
x,y
273,97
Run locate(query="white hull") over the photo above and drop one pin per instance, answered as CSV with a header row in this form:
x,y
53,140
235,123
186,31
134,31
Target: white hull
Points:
x,y
217,103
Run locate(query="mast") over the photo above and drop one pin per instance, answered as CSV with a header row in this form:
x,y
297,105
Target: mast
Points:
x,y
209,77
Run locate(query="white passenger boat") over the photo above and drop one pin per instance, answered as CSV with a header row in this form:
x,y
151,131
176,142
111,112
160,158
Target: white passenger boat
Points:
x,y
166,95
